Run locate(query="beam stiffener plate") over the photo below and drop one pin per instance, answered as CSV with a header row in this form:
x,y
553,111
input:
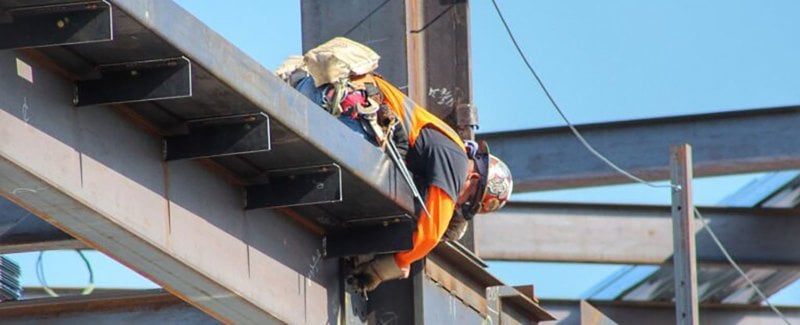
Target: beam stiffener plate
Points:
x,y
137,81
297,186
55,24
220,136
384,237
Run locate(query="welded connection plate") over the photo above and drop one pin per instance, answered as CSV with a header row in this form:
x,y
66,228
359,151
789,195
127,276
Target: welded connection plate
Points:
x,y
297,186
137,81
220,136
30,25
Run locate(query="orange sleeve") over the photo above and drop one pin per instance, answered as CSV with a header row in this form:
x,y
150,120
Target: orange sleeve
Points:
x,y
430,229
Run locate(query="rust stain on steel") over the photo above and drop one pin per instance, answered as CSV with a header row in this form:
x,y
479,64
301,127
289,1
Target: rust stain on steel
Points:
x,y
129,114
43,61
227,174
167,209
10,248
302,221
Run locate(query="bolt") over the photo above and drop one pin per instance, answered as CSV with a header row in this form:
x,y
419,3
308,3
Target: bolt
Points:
x,y
320,186
134,73
60,23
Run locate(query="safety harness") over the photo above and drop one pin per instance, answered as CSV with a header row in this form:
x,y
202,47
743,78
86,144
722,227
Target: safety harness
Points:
x,y
359,98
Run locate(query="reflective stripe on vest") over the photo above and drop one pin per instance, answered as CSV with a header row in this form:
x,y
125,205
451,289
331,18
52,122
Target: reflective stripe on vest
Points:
x,y
414,117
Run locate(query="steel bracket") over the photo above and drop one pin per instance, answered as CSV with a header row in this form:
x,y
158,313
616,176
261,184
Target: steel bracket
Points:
x,y
55,24
220,136
391,235
137,81
521,298
297,186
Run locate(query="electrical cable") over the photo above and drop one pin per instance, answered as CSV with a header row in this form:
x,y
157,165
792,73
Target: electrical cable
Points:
x,y
736,266
627,174
564,117
43,281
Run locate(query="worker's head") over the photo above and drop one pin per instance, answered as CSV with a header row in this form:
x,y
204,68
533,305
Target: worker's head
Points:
x,y
488,185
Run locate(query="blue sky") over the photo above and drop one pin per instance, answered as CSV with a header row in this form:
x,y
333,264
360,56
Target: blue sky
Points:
x,y
601,60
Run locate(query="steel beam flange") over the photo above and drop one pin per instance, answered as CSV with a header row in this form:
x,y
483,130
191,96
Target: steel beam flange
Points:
x,y
55,24
220,136
297,186
497,296
137,81
391,235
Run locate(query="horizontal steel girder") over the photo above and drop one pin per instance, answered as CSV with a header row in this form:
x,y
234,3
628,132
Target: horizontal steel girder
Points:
x,y
569,312
259,86
722,143
97,177
634,234
130,307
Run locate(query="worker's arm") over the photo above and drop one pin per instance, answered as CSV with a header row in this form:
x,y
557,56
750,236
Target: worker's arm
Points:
x,y
429,228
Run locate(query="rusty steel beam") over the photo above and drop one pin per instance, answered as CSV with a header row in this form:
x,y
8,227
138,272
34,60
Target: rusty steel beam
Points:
x,y
98,177
131,307
569,312
634,234
439,64
724,143
464,277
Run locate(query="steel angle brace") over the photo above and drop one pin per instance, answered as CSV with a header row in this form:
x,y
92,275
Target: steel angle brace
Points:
x,y
497,296
220,136
137,81
296,186
390,235
30,25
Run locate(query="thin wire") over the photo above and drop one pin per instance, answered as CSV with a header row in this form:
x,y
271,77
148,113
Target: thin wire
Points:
x,y
736,266
43,281
90,287
627,174
40,275
564,117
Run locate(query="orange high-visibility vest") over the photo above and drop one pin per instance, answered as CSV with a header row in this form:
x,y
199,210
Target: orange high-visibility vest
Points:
x,y
412,116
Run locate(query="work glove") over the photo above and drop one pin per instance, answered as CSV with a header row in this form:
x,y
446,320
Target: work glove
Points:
x,y
368,276
456,229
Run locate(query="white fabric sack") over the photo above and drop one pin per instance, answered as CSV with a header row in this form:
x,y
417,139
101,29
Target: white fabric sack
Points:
x,y
339,58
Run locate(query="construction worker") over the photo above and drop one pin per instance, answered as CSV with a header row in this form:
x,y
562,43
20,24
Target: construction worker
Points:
x,y
457,180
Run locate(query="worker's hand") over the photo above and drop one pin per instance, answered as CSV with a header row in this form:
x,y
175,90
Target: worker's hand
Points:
x,y
383,268
456,229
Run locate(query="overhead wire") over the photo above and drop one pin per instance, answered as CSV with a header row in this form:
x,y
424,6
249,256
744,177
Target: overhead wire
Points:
x,y
624,172
564,116
735,265
43,280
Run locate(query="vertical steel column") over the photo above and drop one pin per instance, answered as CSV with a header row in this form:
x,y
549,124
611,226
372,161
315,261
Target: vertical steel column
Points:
x,y
439,62
685,259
